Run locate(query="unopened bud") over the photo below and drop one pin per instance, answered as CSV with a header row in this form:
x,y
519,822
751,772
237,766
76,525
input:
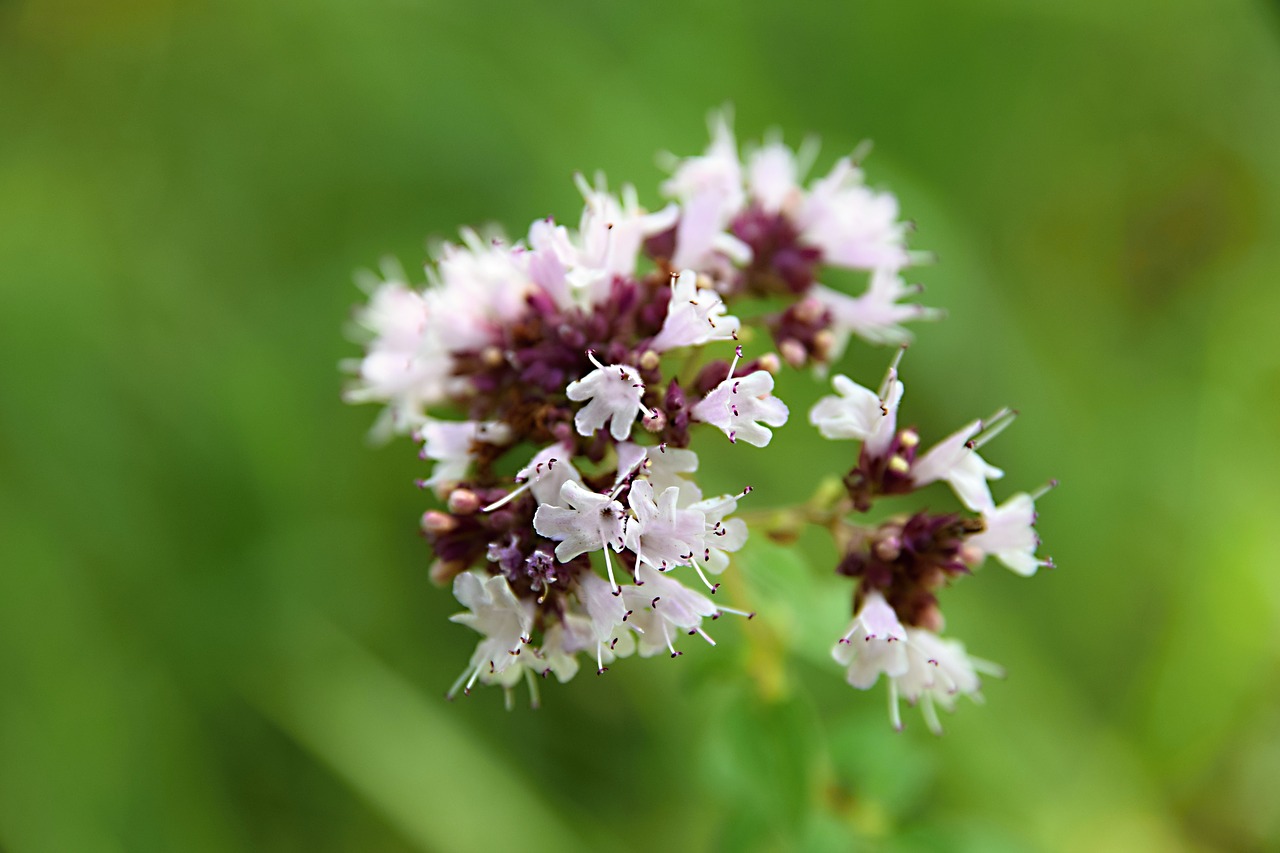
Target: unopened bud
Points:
x,y
898,465
437,522
655,421
770,363
972,556
930,618
793,352
888,548
649,360
463,502
491,356
808,311
443,571
823,343
909,438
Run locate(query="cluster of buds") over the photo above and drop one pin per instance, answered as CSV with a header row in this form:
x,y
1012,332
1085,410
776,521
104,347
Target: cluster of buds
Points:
x,y
556,383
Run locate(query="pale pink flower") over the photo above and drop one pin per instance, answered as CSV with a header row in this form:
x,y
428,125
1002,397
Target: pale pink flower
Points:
x,y
740,406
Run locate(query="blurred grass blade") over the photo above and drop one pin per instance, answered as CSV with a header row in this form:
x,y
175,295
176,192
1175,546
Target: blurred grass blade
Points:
x,y
411,761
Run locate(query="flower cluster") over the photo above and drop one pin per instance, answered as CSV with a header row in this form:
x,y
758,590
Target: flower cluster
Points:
x,y
556,382
900,564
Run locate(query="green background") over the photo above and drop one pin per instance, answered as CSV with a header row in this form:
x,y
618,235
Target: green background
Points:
x,y
216,631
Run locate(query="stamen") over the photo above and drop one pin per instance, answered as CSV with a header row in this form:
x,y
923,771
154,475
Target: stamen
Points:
x,y
608,565
453,691
735,612
1044,490
895,713
992,427
861,151
703,634
666,635
891,374
698,569
535,698
591,356
930,714
986,667
600,667
510,496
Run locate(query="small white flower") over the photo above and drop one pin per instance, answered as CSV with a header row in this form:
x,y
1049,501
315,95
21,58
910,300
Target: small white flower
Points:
x,y
664,466
739,405
853,226
662,609
479,284
495,612
660,533
545,474
954,460
773,175
611,233
585,521
695,316
721,535
874,643
938,671
1010,535
606,631
709,189
876,316
405,365
614,392
450,444
558,654
860,413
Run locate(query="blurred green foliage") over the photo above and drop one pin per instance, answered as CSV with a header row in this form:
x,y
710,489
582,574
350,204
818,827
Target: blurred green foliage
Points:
x,y
216,631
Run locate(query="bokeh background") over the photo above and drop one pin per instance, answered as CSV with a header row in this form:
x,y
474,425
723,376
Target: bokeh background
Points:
x,y
216,630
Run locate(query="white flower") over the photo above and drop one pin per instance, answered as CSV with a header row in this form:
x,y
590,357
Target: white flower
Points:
x,y
611,232
545,474
937,672
662,608
450,443
660,533
721,535
606,614
695,316
709,189
577,269
860,413
558,653
874,643
590,522
954,460
495,612
665,467
479,285
853,226
739,405
1010,535
614,393
773,176
876,316
715,173
405,365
